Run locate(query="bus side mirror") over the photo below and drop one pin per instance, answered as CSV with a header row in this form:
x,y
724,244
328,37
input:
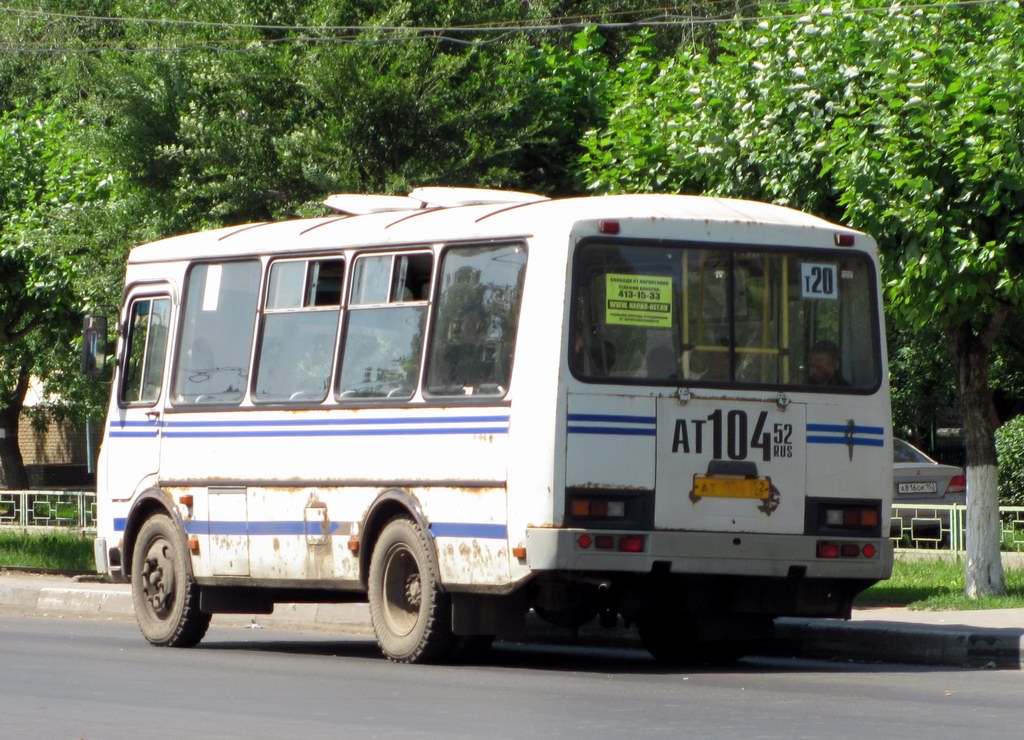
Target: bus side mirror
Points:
x,y
94,346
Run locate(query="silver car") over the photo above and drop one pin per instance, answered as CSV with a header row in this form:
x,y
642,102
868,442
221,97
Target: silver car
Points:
x,y
922,483
921,480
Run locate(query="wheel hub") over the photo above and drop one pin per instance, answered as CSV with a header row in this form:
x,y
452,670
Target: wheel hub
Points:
x,y
158,578
414,591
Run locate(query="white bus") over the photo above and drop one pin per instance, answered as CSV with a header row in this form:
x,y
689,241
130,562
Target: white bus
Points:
x,y
662,411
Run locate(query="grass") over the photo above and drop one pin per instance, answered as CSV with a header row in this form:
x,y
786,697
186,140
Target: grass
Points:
x,y
938,583
53,550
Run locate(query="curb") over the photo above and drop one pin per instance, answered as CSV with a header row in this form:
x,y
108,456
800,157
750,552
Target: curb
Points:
x,y
101,598
842,641
899,642
823,639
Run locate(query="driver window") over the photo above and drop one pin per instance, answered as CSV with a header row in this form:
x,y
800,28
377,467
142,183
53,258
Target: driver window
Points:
x,y
146,345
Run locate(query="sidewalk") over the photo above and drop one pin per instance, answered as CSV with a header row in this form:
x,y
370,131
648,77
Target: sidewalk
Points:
x,y
991,638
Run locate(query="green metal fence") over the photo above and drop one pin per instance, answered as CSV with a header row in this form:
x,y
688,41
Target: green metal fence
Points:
x,y
48,509
916,527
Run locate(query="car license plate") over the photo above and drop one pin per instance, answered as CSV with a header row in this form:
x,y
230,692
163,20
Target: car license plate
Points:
x,y
926,487
754,488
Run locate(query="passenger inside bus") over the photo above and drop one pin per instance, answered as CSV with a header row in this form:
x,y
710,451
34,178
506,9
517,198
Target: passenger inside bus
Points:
x,y
823,364
466,359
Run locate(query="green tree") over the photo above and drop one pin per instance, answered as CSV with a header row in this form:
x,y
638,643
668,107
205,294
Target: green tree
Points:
x,y
903,122
262,118
46,184
921,382
944,181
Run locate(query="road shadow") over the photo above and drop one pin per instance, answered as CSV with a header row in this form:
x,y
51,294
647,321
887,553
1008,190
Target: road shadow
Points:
x,y
550,657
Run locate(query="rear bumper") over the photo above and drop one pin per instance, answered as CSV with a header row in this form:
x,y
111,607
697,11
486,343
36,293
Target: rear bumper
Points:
x,y
708,553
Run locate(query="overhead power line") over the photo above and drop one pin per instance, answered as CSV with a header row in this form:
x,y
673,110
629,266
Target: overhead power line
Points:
x,y
473,35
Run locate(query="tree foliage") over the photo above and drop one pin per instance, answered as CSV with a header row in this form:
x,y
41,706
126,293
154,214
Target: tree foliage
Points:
x,y
48,186
1010,448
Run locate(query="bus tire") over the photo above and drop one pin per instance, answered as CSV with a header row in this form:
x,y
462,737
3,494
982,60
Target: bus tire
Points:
x,y
411,616
165,597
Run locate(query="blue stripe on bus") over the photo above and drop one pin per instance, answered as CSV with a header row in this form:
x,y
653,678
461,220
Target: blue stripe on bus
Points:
x,y
300,528
856,441
393,426
615,431
844,429
614,418
257,529
339,432
342,422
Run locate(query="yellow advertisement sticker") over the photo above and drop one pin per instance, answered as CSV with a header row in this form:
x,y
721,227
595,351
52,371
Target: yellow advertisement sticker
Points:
x,y
638,300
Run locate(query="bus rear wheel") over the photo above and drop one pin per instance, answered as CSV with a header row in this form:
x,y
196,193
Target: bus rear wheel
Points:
x,y
411,616
165,597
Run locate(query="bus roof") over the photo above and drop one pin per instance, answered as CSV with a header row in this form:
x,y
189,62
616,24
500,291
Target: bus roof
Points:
x,y
482,221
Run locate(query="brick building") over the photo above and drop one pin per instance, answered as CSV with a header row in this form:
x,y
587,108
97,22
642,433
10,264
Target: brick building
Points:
x,y
57,456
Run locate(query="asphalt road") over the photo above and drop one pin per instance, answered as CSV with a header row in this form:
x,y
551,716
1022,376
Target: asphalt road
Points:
x,y
87,678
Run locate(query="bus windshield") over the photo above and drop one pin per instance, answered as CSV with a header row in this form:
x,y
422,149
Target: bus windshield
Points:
x,y
699,314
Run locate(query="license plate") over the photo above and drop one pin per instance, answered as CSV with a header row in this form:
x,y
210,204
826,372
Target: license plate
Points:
x,y
754,488
927,487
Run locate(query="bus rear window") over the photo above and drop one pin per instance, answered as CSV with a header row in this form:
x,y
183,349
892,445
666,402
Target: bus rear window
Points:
x,y
702,314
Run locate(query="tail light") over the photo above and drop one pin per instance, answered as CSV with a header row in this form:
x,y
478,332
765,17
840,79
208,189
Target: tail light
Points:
x,y
598,508
834,550
622,543
851,518
833,517
631,543
957,484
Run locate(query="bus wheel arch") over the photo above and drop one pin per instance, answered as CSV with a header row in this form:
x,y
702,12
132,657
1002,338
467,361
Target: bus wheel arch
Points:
x,y
388,505
150,503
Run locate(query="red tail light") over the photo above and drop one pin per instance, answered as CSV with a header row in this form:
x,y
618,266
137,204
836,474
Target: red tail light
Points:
x,y
828,550
957,484
631,543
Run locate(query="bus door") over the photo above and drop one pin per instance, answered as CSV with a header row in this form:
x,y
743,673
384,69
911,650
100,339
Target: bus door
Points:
x,y
135,422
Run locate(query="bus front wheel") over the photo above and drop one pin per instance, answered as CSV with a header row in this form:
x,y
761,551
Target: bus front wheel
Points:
x,y
411,616
165,597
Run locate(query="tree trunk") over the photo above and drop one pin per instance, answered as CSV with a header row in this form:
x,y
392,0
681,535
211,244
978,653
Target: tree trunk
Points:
x,y
970,349
12,465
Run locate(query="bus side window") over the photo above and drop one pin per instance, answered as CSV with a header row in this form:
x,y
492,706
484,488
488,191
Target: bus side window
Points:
x,y
386,319
300,323
473,341
217,333
146,343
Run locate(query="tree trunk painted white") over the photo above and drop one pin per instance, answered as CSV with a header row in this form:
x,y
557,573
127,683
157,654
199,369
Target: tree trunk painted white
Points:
x,y
984,574
970,343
